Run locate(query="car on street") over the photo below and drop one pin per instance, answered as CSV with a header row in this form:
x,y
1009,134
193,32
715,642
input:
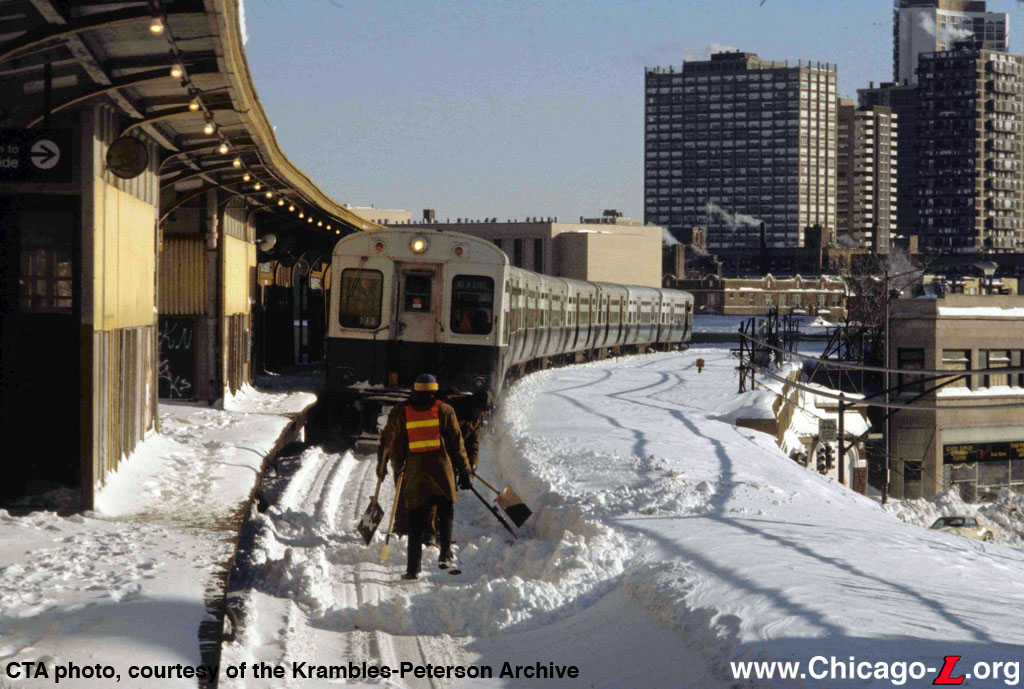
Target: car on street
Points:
x,y
965,526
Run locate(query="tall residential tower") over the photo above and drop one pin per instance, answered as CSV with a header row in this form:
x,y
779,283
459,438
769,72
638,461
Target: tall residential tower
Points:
x,y
970,136
735,141
928,26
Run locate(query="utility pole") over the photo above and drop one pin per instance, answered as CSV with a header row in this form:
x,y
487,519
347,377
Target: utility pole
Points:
x,y
841,439
885,473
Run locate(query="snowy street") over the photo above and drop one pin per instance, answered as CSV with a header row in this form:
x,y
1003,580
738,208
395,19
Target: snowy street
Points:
x,y
665,543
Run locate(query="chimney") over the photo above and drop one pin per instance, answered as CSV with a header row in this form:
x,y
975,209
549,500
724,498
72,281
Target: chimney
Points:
x,y
428,215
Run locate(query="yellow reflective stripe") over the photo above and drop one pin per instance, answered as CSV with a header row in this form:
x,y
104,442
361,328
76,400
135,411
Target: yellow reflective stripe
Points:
x,y
422,424
420,444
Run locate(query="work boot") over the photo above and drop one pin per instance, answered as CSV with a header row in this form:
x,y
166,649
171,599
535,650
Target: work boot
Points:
x,y
411,576
448,563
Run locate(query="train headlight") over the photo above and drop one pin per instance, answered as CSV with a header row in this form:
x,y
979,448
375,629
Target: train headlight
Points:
x,y
379,246
459,250
418,245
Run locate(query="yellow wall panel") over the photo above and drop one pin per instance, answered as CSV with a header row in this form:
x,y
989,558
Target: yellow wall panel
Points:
x,y
236,276
125,260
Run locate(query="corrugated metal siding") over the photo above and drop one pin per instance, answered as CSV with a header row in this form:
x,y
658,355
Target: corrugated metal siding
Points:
x,y
183,276
124,360
238,345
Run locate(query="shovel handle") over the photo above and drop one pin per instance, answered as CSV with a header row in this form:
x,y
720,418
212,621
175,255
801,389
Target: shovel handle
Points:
x,y
391,521
376,492
495,512
486,482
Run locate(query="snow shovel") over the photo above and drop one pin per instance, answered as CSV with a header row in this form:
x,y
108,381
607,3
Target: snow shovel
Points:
x,y
495,512
509,501
386,550
370,520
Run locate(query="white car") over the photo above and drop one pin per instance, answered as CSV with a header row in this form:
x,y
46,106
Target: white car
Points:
x,y
965,526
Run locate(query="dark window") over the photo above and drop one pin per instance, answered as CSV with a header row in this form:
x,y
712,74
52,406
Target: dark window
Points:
x,y
517,253
361,293
497,243
45,279
472,304
417,292
910,359
538,255
956,360
997,358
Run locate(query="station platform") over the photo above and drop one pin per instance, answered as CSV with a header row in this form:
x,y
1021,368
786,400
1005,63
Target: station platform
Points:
x,y
140,580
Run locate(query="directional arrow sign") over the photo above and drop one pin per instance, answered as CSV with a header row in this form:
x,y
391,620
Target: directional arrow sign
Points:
x,y
37,156
45,154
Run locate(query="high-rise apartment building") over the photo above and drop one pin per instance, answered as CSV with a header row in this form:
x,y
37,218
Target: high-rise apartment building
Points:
x,y
867,165
970,138
735,141
928,26
902,101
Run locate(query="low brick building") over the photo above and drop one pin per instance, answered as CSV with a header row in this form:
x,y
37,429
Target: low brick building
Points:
x,y
824,295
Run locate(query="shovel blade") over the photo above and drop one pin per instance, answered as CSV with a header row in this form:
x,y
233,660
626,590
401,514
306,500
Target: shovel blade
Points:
x,y
514,506
370,520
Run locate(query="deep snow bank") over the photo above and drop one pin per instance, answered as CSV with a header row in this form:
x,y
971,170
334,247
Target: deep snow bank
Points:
x,y
1006,513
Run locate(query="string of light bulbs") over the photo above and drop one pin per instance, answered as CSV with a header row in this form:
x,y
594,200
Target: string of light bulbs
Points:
x,y
178,70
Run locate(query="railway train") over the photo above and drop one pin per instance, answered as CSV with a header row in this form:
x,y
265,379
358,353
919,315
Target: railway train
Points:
x,y
408,300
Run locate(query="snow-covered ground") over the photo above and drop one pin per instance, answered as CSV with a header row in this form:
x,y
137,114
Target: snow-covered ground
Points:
x,y
665,543
130,583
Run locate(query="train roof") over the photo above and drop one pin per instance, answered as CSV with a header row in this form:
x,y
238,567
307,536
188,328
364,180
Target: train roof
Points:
x,y
440,247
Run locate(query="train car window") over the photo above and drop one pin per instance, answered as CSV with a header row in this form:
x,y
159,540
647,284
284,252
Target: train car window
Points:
x,y
472,304
361,293
418,287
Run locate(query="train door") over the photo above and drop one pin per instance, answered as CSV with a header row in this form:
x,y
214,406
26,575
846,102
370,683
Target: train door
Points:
x,y
419,302
576,334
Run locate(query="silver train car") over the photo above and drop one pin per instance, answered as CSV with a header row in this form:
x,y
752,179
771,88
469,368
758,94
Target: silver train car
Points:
x,y
405,301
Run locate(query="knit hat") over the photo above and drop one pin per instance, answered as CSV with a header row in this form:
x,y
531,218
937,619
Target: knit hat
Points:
x,y
425,382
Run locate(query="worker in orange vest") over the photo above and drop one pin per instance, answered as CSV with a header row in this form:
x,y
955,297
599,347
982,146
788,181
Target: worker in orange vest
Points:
x,y
426,448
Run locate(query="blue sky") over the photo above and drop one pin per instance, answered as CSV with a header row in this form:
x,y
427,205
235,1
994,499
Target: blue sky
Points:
x,y
516,108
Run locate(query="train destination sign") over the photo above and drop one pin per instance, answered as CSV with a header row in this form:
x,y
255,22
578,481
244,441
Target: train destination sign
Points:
x,y
982,452
31,155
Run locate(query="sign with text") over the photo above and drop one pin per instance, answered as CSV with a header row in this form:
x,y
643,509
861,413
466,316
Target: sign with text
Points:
x,y
38,156
828,430
982,452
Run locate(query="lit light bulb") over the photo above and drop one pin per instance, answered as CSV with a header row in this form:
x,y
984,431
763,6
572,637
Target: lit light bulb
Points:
x,y
291,209
193,104
177,71
237,162
301,214
222,149
319,223
337,232
209,128
257,186
156,27
246,177
280,202
309,219
328,227
270,194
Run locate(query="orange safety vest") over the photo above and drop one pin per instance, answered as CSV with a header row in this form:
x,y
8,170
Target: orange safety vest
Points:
x,y
423,428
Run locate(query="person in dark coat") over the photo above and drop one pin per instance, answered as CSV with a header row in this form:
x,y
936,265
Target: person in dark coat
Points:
x,y
425,446
472,411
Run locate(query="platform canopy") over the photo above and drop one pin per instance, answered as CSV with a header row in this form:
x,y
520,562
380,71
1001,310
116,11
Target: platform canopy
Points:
x,y
177,71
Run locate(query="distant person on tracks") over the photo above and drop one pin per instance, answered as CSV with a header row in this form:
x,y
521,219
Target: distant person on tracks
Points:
x,y
425,445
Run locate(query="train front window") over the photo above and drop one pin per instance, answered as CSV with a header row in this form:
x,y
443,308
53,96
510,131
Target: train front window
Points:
x,y
361,292
418,287
472,304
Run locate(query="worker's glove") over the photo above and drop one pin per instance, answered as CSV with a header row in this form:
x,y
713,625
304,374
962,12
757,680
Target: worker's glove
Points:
x,y
465,480
382,471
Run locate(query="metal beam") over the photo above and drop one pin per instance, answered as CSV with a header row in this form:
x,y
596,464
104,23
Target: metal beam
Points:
x,y
186,150
106,20
115,84
200,173
171,114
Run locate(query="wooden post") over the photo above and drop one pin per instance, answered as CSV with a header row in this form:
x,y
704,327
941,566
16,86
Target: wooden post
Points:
x,y
842,437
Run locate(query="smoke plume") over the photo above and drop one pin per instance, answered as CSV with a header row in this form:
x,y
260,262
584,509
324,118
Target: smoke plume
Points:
x,y
733,220
947,34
